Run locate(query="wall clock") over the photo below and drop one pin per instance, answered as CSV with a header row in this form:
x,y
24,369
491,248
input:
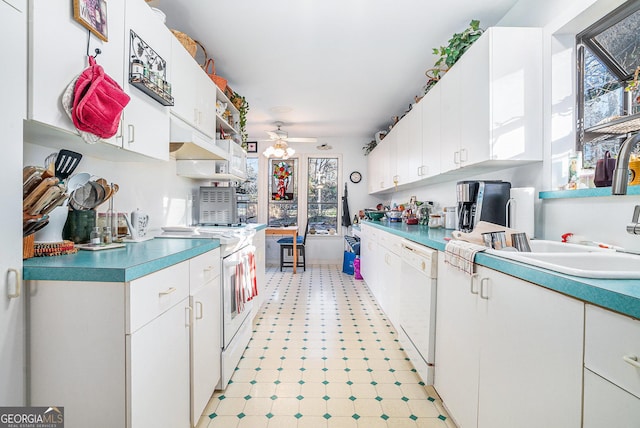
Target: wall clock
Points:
x,y
355,177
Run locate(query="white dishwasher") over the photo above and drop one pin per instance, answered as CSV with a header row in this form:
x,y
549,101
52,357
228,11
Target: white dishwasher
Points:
x,y
418,306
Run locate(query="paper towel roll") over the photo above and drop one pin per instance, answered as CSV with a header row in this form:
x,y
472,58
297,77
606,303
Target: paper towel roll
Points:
x,y
521,214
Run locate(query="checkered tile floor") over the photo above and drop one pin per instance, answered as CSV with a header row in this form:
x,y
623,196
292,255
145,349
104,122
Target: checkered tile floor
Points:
x,y
323,355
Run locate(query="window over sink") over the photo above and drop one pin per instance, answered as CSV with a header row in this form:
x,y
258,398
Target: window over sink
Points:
x,y
608,99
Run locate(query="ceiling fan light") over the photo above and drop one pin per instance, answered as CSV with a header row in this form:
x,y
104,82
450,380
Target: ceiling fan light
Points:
x,y
278,152
290,152
269,151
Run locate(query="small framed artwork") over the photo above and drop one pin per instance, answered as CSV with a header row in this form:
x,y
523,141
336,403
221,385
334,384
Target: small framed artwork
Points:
x,y
92,14
252,147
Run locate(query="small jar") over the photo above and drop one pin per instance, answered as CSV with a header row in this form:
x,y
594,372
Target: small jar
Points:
x,y
137,69
106,235
435,221
95,238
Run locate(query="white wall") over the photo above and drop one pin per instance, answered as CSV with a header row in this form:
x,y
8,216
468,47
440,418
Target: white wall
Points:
x,y
321,249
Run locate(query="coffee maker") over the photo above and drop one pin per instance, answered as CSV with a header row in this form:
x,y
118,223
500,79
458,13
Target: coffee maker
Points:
x,y
482,201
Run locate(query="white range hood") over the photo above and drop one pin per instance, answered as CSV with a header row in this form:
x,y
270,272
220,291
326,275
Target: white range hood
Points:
x,y
188,143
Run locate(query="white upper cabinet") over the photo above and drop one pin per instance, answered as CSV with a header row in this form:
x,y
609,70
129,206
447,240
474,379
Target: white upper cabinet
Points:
x,y
193,92
146,121
485,113
58,53
492,101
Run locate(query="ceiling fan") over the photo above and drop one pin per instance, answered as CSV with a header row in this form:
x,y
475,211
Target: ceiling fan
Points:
x,y
280,135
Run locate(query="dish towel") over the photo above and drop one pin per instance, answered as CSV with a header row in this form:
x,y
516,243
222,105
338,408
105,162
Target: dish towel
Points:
x,y
461,255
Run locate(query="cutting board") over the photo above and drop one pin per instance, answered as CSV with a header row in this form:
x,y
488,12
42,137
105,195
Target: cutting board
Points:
x,y
475,236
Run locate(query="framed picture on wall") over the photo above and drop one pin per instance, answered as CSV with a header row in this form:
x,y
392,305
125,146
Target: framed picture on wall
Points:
x,y
92,14
252,147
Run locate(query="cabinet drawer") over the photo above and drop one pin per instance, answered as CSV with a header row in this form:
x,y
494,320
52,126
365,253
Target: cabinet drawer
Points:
x,y
204,268
155,293
612,342
606,405
391,242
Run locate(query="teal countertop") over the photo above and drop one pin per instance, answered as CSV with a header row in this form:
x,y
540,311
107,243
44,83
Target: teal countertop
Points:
x,y
133,261
620,295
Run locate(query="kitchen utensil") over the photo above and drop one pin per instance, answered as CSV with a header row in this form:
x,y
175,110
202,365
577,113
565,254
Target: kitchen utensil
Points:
x,y
66,162
107,189
496,240
50,165
31,180
79,225
32,198
88,196
32,226
50,195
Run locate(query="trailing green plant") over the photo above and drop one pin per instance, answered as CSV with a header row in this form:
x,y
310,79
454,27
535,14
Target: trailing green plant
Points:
x,y
368,148
458,45
242,105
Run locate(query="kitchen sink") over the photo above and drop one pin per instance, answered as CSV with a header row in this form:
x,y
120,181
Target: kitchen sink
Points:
x,y
577,260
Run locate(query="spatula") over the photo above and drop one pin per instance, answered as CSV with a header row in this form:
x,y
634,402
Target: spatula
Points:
x,y
66,162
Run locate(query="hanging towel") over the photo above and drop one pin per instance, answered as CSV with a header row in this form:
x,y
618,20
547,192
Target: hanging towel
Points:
x,y
253,276
346,217
461,255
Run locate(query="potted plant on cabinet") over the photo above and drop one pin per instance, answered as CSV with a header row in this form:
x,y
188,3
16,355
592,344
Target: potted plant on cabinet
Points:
x,y
243,107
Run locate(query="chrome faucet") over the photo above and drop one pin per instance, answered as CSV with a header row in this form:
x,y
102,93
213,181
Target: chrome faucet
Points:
x,y
621,172
634,227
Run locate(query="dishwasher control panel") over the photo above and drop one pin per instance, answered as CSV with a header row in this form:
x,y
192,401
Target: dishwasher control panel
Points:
x,y
422,258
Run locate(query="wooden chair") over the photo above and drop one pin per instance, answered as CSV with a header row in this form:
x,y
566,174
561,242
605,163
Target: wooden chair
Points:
x,y
287,244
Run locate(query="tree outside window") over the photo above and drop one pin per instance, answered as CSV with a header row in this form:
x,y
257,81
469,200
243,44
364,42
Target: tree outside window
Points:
x,y
322,194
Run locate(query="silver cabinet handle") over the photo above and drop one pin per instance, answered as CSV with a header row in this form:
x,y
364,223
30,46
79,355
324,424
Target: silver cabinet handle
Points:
x,y
465,157
484,281
471,282
17,291
456,157
166,292
633,360
132,133
199,304
187,312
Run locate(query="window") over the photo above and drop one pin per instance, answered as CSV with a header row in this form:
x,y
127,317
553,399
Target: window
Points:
x,y
322,194
248,194
283,192
608,56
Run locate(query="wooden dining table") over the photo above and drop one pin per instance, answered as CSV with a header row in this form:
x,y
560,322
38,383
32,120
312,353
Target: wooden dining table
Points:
x,y
289,231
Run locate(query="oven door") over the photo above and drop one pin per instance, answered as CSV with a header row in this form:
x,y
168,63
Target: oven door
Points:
x,y
238,291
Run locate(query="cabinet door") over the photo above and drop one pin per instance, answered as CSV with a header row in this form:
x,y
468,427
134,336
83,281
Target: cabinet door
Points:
x,y
457,343
532,340
413,153
399,161
206,104
431,141
205,346
13,30
146,122
58,53
373,168
474,102
450,119
607,405
387,159
388,289
158,371
183,84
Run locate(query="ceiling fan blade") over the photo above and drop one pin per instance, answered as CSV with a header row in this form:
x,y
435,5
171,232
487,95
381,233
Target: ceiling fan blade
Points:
x,y
273,135
302,140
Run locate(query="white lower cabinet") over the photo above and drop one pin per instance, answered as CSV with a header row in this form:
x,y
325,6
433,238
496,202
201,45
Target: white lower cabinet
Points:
x,y
612,370
158,371
508,353
134,354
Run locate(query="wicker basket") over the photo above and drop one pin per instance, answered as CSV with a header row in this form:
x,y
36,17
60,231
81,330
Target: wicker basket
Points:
x,y
28,246
188,43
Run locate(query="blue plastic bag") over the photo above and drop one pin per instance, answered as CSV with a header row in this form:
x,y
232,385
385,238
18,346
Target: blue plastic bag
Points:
x,y
347,262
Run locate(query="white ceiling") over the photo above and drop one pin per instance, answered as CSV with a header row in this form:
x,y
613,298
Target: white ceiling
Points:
x,y
326,68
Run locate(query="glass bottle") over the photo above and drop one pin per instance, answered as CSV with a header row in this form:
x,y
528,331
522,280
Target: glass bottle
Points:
x,y
106,235
95,238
